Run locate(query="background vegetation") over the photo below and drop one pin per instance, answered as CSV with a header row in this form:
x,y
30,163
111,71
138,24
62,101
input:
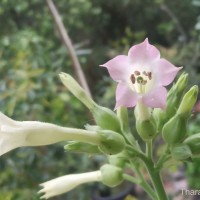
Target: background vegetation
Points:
x,y
32,55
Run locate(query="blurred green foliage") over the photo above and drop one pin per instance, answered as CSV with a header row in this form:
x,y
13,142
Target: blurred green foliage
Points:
x,y
32,55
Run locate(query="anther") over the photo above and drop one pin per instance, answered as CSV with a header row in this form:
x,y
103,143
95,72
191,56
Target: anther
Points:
x,y
137,73
145,73
132,78
149,74
144,82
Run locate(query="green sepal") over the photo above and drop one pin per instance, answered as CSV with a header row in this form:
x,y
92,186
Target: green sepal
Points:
x,y
111,142
174,97
106,118
193,142
111,175
188,102
175,130
81,147
146,128
181,152
119,159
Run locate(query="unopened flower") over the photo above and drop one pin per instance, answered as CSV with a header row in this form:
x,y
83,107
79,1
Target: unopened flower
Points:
x,y
141,76
66,183
15,134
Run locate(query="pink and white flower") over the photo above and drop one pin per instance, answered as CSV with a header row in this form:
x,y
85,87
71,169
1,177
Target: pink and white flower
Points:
x,y
141,76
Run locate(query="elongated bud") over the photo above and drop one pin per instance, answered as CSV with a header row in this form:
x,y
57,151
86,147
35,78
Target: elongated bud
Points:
x,y
81,147
194,143
111,142
175,94
181,152
188,102
76,90
146,128
174,131
111,175
160,118
122,114
104,117
173,101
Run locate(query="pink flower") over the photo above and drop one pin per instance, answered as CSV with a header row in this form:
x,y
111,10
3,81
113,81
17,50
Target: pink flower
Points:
x,y
141,76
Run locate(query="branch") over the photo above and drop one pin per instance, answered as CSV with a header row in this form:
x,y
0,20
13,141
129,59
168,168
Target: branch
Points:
x,y
68,44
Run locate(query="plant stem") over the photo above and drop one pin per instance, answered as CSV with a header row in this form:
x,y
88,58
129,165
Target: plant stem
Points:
x,y
156,179
143,184
163,158
149,149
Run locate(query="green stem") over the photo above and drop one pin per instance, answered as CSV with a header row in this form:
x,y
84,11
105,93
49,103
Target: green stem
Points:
x,y
149,149
156,179
143,184
163,158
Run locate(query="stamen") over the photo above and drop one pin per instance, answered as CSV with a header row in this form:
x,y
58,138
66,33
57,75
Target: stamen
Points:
x,y
149,74
132,78
137,73
145,73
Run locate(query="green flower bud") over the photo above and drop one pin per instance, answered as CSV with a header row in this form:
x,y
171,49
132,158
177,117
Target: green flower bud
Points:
x,y
118,159
173,101
146,128
111,142
174,131
181,152
104,117
194,143
73,86
188,102
81,147
175,94
122,114
111,175
160,118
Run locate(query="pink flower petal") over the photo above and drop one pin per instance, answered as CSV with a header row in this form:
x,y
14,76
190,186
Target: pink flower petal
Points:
x,y
166,72
125,96
156,98
143,53
118,68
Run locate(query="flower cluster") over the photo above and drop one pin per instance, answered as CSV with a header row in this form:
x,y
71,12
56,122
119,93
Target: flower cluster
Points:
x,y
141,77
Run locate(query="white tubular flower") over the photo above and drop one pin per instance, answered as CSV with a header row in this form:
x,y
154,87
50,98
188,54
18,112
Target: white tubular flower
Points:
x,y
15,134
66,183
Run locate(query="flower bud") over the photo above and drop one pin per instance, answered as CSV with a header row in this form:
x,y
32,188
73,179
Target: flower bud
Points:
x,y
111,175
118,160
111,142
160,118
146,128
76,90
175,94
193,142
174,131
81,147
122,114
181,152
188,102
173,100
104,117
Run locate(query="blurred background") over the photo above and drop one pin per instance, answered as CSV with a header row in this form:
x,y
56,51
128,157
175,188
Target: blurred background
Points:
x,y
32,55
